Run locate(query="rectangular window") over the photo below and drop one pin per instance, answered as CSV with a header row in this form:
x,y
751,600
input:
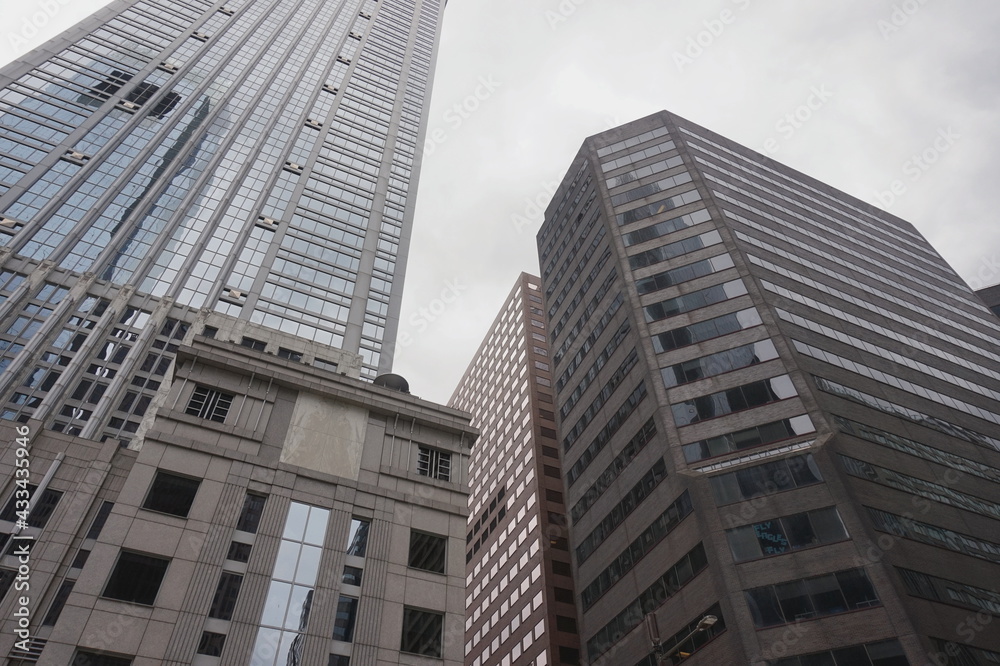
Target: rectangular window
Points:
x,y
171,494
884,653
253,508
339,660
766,479
99,520
739,440
211,644
239,552
42,508
58,602
251,343
433,463
226,594
428,552
207,403
736,399
783,535
357,542
806,598
84,658
352,576
347,615
422,632
136,578
289,354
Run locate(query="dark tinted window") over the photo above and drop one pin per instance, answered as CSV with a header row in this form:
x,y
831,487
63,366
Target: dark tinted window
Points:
x,y
136,578
171,494
253,507
428,552
226,594
422,632
347,615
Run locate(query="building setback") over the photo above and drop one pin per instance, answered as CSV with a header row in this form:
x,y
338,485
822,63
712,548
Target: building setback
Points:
x,y
520,600
776,405
991,297
276,513
166,158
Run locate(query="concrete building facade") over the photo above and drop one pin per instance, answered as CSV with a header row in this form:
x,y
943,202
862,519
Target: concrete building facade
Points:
x,y
519,598
275,513
776,405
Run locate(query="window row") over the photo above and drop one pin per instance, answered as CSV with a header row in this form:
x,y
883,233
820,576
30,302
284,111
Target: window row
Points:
x,y
670,251
694,300
611,472
664,587
767,433
782,535
718,363
706,330
682,274
621,511
809,598
736,399
665,523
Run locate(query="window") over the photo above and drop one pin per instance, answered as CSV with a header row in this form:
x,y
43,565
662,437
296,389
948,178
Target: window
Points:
x,y
339,660
884,653
239,552
561,568
58,602
40,512
422,632
253,507
250,343
783,535
433,463
225,596
171,494
211,644
7,577
357,542
99,520
83,658
210,332
568,655
289,354
352,576
210,404
811,597
136,578
766,479
566,624
347,615
428,552
325,365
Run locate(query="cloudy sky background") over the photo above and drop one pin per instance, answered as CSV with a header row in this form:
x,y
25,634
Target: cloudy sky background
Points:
x,y
532,78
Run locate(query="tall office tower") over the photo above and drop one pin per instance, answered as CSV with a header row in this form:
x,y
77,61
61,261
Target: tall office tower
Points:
x,y
520,601
777,406
277,514
167,158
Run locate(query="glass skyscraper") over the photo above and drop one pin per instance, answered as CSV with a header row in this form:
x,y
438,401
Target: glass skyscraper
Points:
x,y
777,406
163,160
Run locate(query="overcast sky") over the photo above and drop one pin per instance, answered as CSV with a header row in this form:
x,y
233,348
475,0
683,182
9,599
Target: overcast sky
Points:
x,y
521,83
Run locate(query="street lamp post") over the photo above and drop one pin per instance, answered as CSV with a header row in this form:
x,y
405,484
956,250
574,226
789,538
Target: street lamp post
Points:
x,y
653,631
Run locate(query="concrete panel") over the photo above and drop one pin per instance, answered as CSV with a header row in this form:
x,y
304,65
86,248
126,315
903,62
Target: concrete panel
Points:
x,y
326,436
